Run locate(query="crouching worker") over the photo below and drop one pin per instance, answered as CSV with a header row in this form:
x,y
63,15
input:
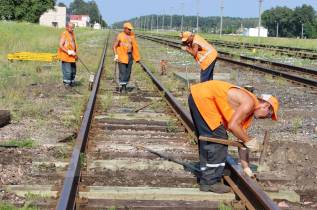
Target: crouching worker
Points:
x,y
216,107
67,53
203,52
126,50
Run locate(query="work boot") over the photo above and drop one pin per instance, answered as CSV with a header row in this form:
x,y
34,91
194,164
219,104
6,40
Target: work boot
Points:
x,y
216,188
67,86
124,88
253,145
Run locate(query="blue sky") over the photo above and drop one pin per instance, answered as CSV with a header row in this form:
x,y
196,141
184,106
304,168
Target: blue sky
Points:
x,y
119,10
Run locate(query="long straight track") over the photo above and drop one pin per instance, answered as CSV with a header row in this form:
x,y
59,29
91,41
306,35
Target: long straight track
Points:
x,y
289,51
111,169
296,74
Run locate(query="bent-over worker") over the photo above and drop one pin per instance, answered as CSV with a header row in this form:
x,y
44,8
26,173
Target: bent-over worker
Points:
x,y
126,50
218,106
67,53
203,52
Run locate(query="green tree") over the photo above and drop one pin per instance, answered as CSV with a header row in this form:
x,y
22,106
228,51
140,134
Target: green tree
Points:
x,y
281,16
80,7
290,21
26,10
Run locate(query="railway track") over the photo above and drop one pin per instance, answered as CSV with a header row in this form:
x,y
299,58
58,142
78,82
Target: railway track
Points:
x,y
289,51
109,170
303,76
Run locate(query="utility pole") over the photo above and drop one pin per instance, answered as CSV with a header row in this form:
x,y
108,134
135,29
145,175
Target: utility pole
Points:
x,y
276,28
221,14
302,30
260,12
157,20
182,22
151,23
171,18
145,25
197,21
163,21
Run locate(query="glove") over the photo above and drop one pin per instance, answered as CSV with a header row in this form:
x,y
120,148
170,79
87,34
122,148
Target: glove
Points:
x,y
253,145
184,48
71,52
247,171
116,58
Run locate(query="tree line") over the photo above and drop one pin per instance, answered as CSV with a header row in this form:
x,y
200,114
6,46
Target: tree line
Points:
x,y
286,22
206,24
31,10
281,21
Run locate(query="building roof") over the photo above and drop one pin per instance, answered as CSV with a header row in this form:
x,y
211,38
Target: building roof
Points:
x,y
77,17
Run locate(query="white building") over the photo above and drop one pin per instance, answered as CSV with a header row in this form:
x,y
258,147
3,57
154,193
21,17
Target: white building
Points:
x,y
255,32
54,17
97,26
80,20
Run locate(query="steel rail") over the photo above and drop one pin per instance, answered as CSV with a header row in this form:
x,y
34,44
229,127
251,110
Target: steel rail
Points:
x,y
256,197
291,51
306,81
67,198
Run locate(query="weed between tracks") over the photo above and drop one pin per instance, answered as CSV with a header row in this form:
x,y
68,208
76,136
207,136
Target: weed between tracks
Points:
x,y
21,143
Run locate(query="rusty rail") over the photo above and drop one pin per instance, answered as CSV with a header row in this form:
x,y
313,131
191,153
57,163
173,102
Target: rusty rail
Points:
x,y
67,199
255,197
228,58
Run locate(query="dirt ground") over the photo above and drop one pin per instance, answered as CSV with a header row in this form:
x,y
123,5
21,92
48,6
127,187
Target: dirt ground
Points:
x,y
292,140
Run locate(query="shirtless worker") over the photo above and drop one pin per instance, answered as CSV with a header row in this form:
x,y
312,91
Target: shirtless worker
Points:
x,y
203,52
218,106
126,50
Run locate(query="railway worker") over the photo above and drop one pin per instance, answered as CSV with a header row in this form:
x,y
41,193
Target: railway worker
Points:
x,y
203,52
67,53
126,50
218,106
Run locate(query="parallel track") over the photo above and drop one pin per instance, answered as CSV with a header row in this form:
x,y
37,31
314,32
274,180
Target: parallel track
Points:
x,y
289,51
245,188
276,72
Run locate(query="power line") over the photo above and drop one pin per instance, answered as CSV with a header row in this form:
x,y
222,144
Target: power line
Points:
x,y
221,14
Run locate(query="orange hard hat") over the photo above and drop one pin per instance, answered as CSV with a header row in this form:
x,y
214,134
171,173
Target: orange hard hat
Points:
x,y
185,35
128,25
274,103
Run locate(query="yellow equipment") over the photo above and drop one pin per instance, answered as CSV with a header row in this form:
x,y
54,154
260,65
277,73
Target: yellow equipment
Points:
x,y
30,56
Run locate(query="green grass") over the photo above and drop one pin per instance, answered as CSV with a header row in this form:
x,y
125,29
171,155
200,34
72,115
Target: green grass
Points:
x,y
287,42
7,206
21,143
223,206
32,93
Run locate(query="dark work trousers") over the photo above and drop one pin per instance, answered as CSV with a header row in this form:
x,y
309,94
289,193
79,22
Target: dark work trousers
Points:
x,y
69,72
125,70
208,73
212,156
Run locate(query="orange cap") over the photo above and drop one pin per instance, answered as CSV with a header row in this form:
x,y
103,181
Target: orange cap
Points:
x,y
128,25
185,35
274,103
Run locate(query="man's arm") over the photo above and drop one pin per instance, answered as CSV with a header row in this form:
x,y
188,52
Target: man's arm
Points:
x,y
115,45
61,44
245,108
193,50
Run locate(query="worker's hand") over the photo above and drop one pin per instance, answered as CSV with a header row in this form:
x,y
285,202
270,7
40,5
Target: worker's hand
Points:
x,y
71,52
184,48
253,145
116,58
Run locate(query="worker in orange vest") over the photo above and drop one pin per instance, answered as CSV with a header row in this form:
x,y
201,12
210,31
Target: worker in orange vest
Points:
x,y
203,52
126,50
218,106
67,53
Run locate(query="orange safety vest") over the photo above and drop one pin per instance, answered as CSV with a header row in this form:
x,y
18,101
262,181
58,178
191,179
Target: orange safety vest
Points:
x,y
123,48
206,52
63,56
211,99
